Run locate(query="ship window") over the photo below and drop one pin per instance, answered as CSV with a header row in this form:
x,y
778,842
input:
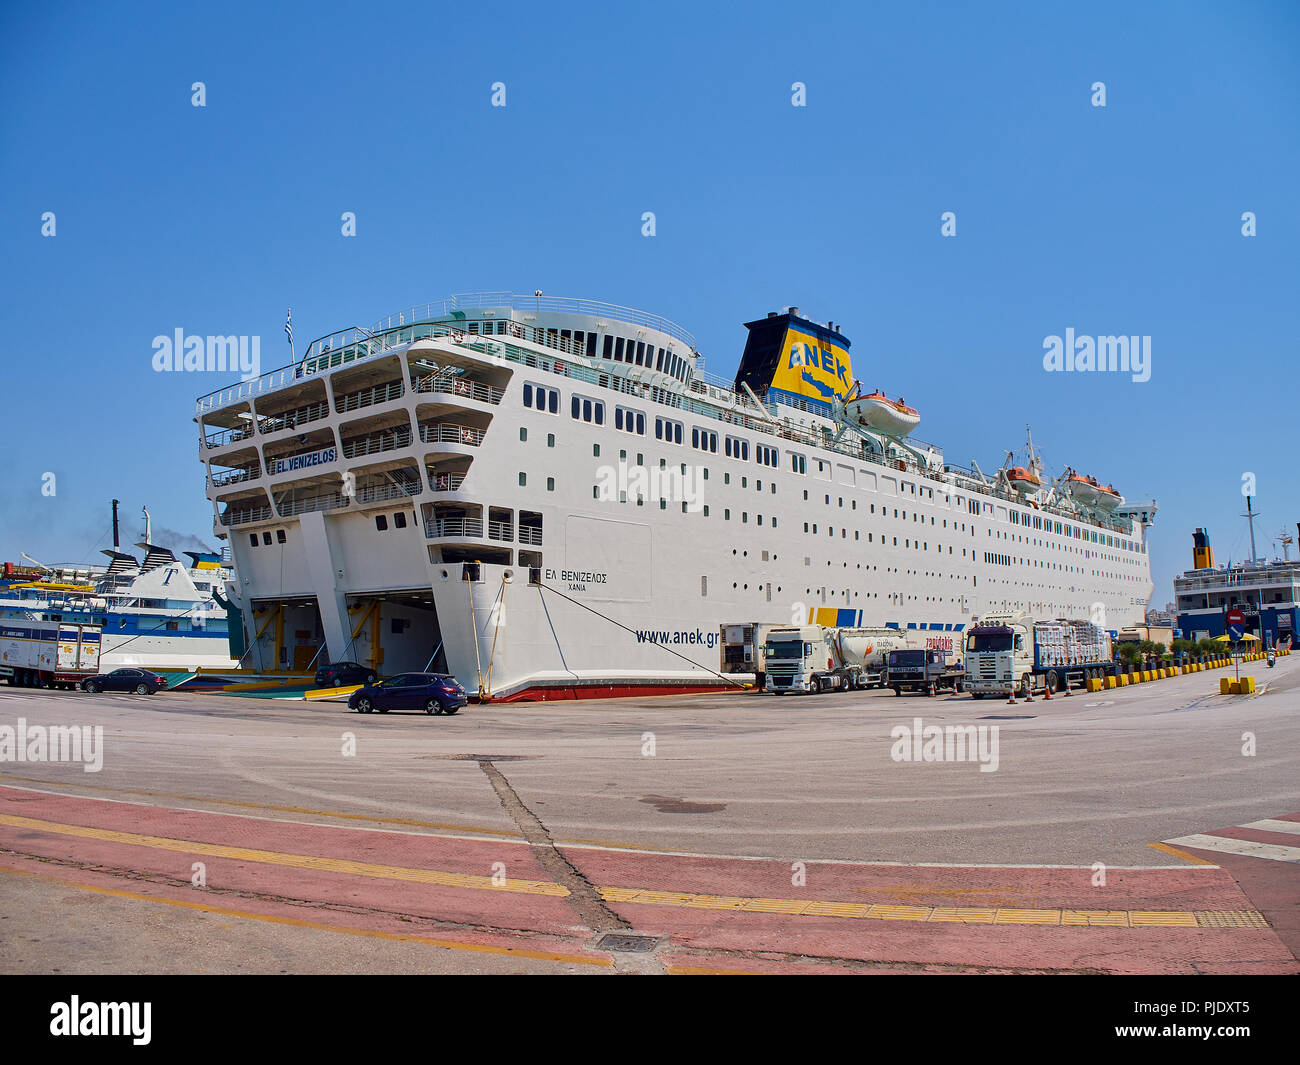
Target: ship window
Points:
x,y
252,539
706,510
523,435
528,395
399,519
640,352
618,349
550,484
609,346
591,345
726,514
381,522
550,439
279,536
266,537
523,479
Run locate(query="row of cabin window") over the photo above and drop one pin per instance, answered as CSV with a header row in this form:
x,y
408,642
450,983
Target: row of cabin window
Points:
x,y
280,538
640,353
587,410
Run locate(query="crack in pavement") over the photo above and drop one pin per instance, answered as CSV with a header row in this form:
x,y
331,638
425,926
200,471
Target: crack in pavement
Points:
x,y
583,895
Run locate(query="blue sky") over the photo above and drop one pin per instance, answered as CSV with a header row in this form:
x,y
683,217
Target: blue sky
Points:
x,y
1117,220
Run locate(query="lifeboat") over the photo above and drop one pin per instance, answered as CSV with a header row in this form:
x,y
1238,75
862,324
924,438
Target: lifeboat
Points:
x,y
1089,491
1024,481
877,411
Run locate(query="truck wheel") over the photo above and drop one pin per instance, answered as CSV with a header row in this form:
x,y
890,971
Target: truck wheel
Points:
x,y
898,690
977,695
1026,686
1053,682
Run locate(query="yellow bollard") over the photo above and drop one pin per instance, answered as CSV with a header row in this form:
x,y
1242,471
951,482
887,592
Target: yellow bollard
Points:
x,y
1111,683
1225,685
1247,685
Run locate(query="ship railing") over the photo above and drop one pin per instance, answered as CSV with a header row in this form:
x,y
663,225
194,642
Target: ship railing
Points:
x,y
501,530
368,397
243,473
374,443
247,514
448,433
440,527
472,301
292,419
530,535
446,482
330,501
460,386
390,490
227,436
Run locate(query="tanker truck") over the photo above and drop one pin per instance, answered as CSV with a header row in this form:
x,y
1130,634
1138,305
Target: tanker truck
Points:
x,y
818,658
1009,651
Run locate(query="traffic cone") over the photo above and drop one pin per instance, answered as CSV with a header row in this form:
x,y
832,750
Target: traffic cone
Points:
x,y
1047,692
1067,687
1012,700
930,692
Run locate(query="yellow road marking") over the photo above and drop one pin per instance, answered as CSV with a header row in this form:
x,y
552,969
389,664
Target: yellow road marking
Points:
x,y
296,922
295,861
681,899
1180,854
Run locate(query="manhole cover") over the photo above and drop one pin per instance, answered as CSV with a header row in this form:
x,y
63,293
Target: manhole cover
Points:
x,y
627,943
479,757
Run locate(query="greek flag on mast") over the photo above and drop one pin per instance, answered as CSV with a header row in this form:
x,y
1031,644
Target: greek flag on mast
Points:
x,y
288,330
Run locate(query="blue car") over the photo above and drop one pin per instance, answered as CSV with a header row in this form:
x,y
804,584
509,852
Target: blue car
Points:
x,y
434,693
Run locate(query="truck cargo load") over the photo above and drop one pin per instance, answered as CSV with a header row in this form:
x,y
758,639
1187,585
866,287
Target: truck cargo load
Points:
x,y
48,654
1010,651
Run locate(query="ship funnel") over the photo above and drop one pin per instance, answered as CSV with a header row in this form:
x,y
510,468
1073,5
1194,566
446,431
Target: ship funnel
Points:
x,y
796,358
1202,552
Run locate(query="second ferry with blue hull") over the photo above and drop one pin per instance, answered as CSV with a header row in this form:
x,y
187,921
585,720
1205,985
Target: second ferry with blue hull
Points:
x,y
434,493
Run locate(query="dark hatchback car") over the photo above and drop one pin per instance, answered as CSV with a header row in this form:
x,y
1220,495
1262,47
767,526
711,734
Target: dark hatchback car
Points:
x,y
338,674
140,681
434,693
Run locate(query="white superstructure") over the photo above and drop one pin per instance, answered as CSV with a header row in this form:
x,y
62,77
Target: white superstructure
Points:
x,y
547,497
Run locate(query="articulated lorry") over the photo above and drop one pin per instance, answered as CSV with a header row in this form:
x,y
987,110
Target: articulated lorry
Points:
x,y
1008,651
48,654
818,658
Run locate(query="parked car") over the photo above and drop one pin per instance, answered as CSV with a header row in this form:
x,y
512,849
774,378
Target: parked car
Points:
x,y
140,681
336,674
434,693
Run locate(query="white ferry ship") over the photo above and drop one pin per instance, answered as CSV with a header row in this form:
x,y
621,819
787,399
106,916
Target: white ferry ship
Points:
x,y
549,498
157,612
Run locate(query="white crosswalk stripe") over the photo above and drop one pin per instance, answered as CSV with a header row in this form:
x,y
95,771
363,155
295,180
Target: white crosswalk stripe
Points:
x,y
1271,825
1247,847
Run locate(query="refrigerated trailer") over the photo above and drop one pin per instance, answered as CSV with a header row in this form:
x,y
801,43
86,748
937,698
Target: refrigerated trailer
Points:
x,y
48,654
